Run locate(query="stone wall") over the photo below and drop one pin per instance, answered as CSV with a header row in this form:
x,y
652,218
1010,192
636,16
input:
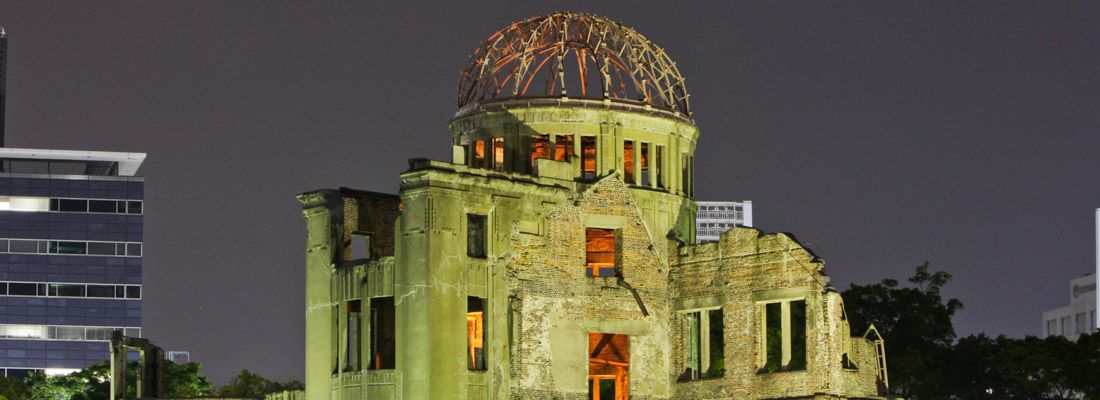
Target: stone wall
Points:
x,y
741,272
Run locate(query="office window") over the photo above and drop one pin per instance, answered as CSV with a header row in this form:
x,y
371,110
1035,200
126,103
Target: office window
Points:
x,y
58,247
588,158
133,207
628,162
18,203
645,164
498,154
475,235
475,333
563,147
540,148
783,337
22,332
1081,323
1092,320
660,166
478,158
354,329
106,291
1052,327
1065,326
704,344
72,205
26,289
382,334
66,290
600,254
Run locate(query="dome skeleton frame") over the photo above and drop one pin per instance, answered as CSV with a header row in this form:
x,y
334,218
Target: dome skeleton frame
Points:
x,y
628,67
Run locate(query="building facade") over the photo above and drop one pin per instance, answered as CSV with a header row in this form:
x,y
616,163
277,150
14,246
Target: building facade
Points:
x,y
713,218
555,255
1079,316
70,256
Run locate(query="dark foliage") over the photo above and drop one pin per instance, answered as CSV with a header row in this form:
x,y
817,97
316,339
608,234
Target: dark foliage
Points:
x,y
925,361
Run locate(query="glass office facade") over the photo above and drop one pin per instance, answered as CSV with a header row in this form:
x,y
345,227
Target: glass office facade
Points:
x,y
70,268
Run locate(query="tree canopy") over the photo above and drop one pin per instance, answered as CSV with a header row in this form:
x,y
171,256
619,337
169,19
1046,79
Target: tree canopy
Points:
x,y
926,362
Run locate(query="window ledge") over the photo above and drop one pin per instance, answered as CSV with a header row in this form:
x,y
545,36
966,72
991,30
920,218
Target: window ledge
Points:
x,y
782,371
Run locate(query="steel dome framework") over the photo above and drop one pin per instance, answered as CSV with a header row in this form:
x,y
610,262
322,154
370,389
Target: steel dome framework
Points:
x,y
572,55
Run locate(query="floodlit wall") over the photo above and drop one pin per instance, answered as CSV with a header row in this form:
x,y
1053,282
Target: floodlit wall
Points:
x,y
745,272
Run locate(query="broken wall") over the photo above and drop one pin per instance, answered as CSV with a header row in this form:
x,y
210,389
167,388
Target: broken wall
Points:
x,y
743,272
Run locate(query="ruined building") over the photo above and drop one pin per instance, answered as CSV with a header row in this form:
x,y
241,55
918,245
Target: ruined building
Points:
x,y
554,256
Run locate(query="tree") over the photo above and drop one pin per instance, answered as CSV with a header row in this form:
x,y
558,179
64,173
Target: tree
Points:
x,y
13,389
250,385
94,382
916,323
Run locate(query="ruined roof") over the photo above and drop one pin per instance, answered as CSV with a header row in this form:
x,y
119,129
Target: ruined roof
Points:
x,y
576,56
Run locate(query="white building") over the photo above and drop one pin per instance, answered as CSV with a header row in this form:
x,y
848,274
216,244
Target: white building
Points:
x,y
714,217
1079,316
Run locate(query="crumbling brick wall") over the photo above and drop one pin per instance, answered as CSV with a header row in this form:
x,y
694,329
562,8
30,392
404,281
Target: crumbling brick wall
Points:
x,y
744,269
556,304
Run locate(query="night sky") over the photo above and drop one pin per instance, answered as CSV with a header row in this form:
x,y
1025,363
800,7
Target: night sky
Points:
x,y
882,134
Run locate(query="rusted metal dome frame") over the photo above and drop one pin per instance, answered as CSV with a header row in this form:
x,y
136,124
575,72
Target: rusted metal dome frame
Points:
x,y
629,67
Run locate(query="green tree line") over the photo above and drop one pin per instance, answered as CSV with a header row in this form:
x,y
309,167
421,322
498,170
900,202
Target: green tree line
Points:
x,y
180,381
926,360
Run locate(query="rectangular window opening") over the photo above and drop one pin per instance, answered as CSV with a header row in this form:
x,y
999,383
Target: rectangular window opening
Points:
x,y
588,158
359,247
628,162
475,235
600,255
355,320
659,160
704,344
498,154
478,158
608,366
645,164
475,333
383,333
563,147
784,336
540,148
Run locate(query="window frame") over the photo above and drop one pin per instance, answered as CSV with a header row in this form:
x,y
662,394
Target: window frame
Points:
x,y
698,345
787,358
596,271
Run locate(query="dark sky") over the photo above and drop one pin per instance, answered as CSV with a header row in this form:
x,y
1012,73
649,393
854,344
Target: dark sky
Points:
x,y
882,134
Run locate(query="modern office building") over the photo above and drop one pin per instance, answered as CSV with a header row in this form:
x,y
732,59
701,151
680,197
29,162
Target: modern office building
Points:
x,y
712,218
70,256
554,255
1079,316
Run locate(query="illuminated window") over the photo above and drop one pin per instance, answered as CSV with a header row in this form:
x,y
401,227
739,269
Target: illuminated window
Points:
x,y
540,148
475,333
588,158
600,253
15,203
382,334
645,164
783,339
704,344
563,147
608,366
478,156
498,154
628,161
